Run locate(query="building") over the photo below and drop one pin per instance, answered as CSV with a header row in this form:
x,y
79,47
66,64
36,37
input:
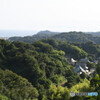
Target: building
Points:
x,y
81,66
72,61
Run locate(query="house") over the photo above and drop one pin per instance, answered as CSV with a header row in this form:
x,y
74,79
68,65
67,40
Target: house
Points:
x,y
84,60
72,61
79,69
81,66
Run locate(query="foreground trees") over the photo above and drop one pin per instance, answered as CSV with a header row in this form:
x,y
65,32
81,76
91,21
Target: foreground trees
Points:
x,y
15,87
42,71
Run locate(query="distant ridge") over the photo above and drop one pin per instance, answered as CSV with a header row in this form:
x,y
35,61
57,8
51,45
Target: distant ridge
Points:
x,y
47,32
94,33
78,37
40,35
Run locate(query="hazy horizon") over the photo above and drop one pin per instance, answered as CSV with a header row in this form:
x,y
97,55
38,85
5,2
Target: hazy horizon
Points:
x,y
22,33
54,15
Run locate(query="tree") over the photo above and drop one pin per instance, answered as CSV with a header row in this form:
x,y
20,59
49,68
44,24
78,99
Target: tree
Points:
x,y
98,68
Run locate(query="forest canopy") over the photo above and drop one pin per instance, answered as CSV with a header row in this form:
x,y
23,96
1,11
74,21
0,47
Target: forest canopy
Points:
x,y
41,71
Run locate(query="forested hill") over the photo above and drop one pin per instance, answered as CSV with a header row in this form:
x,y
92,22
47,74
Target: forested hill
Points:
x,y
78,37
94,33
42,65
40,35
73,37
41,71
66,36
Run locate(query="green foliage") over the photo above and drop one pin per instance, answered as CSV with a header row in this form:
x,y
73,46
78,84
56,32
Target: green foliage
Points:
x,y
81,87
30,39
72,36
90,65
58,79
58,93
77,98
45,65
45,82
95,84
38,62
72,78
66,36
2,97
15,87
43,47
95,81
98,68
69,49
91,48
83,75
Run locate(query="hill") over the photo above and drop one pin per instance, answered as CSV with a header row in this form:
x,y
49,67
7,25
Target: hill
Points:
x,y
29,39
40,63
94,33
78,37
15,87
40,71
66,36
73,37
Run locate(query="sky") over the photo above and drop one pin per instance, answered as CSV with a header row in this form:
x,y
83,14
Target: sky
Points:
x,y
54,15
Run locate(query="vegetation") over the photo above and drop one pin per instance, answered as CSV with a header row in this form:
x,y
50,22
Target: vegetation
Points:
x,y
91,48
30,39
15,87
40,71
78,37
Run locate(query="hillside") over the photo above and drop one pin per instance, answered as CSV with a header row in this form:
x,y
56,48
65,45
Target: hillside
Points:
x,y
73,37
44,64
40,63
66,36
29,39
78,37
94,33
15,87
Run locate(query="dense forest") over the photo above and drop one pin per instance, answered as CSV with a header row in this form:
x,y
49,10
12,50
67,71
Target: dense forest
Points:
x,y
64,36
30,39
40,70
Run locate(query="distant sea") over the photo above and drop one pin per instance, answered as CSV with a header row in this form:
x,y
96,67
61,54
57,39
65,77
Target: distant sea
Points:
x,y
11,33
